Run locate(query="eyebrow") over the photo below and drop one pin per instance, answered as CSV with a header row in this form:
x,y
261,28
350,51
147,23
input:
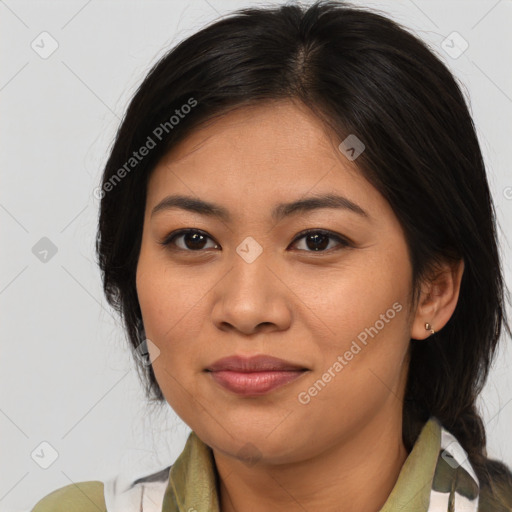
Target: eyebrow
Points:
x,y
279,212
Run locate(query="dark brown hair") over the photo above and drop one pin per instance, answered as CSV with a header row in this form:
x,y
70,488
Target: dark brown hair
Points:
x,y
363,74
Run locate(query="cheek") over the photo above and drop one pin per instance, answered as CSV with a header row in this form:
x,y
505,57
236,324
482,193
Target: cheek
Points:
x,y
168,314
170,302
366,315
165,295
352,299
361,366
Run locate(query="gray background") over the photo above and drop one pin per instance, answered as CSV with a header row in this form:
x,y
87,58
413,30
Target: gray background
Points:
x,y
67,376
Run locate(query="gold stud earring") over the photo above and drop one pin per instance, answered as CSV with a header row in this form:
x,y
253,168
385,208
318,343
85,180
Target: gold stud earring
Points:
x,y
428,327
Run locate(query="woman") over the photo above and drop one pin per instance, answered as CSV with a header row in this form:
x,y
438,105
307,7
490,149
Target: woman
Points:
x,y
297,229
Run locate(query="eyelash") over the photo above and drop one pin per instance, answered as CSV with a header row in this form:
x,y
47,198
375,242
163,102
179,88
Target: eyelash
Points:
x,y
176,234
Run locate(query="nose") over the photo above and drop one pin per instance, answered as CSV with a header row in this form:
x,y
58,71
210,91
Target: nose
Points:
x,y
252,297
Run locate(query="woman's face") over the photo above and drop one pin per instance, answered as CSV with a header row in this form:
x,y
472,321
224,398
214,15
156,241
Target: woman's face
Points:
x,y
253,284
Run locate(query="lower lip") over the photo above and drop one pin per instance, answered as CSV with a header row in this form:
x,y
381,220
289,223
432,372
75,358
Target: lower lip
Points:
x,y
254,383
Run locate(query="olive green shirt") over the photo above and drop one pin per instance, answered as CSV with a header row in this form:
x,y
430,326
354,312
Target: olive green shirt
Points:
x,y
428,482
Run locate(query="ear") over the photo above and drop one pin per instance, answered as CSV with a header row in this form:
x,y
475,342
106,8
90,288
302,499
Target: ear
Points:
x,y
437,300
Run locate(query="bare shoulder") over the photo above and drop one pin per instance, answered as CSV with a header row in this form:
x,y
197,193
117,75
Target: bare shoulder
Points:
x,y
78,497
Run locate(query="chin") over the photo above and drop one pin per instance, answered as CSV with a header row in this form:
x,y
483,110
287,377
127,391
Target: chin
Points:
x,y
255,446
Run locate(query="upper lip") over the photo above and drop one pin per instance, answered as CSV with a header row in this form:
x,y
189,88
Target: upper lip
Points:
x,y
259,363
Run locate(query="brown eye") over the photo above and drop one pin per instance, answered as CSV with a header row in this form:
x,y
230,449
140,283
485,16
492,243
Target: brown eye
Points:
x,y
193,240
317,240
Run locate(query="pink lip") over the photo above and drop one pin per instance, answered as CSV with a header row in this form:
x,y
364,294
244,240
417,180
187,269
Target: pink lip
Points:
x,y
254,376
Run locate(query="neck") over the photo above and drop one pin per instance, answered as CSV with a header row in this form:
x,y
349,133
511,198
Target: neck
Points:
x,y
357,473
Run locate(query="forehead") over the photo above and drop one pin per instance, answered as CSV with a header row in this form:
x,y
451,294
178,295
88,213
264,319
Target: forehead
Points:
x,y
260,155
